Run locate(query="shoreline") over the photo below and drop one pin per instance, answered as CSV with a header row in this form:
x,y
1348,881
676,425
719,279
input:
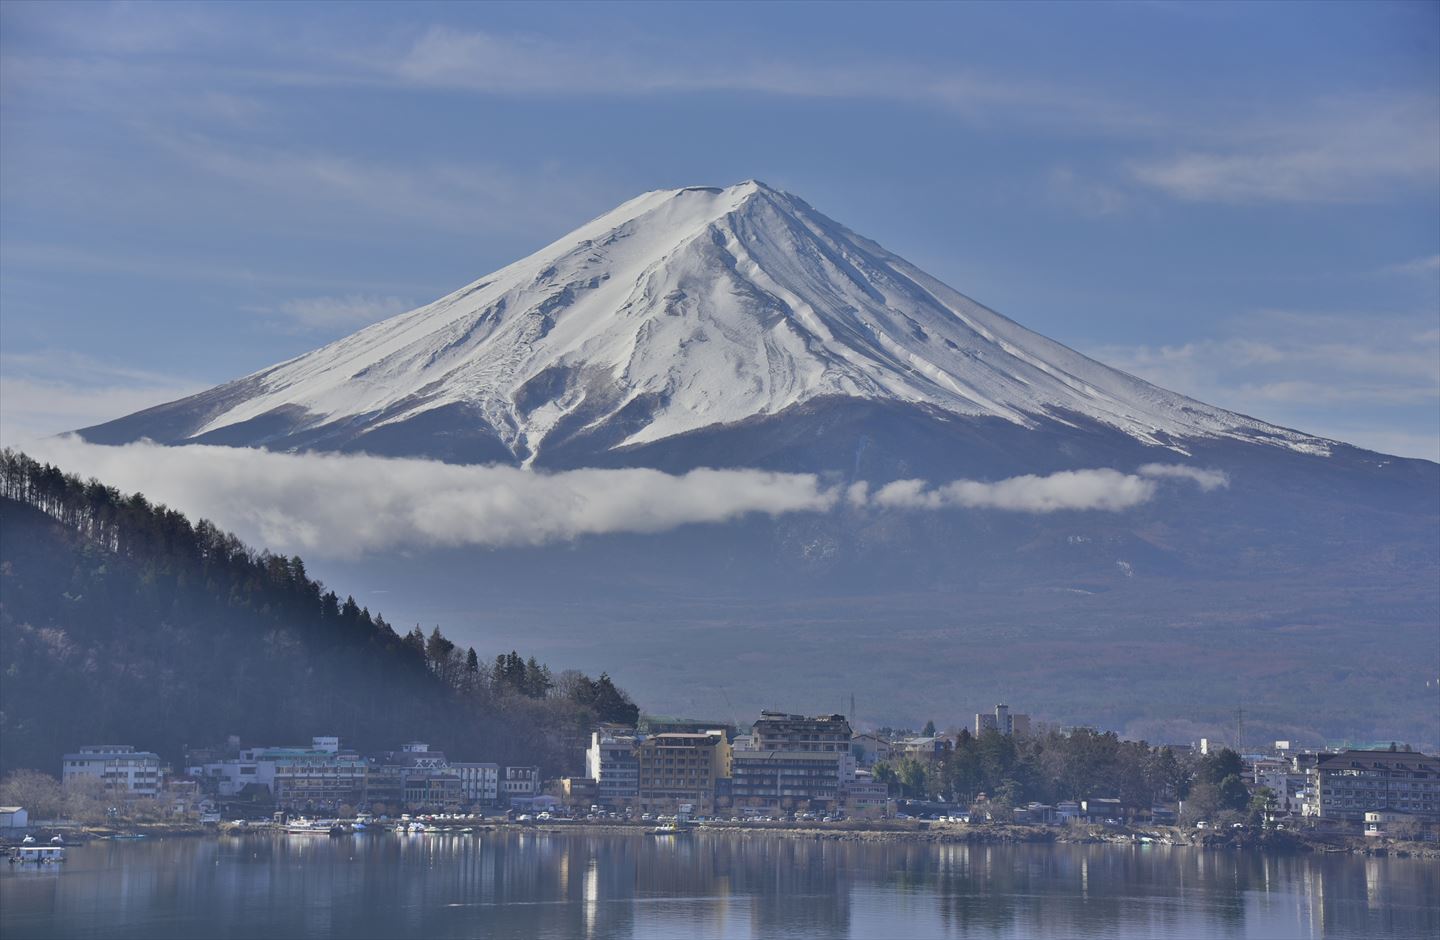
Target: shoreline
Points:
x,y
880,831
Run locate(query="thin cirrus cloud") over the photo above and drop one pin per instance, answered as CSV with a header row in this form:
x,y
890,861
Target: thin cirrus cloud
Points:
x,y
330,313
333,505
1342,149
53,391
1429,265
1321,372
1333,152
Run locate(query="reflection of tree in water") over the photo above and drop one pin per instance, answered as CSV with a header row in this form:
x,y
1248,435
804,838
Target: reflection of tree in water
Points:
x,y
1070,890
788,885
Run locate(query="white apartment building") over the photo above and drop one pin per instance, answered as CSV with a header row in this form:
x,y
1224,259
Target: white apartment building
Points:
x,y
119,766
479,783
612,763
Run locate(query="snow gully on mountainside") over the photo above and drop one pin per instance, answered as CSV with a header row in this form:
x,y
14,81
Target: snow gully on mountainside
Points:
x,y
681,310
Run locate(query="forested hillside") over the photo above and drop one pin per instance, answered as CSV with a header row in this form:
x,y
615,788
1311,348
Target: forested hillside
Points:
x,y
123,621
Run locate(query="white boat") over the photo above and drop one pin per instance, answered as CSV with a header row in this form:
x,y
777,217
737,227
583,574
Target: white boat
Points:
x,y
38,855
319,827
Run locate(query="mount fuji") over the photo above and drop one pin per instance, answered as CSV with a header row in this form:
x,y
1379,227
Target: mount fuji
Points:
x,y
739,327
679,311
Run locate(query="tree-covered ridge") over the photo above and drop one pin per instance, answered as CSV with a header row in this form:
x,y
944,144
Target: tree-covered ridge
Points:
x,y
122,620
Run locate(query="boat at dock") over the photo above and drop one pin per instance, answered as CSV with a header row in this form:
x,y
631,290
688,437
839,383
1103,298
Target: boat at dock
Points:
x,y
37,855
314,827
672,828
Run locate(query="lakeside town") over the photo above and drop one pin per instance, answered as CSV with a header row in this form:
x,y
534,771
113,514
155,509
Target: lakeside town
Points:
x,y
783,771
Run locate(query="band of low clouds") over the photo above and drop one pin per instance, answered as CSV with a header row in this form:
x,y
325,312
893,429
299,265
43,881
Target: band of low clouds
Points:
x,y
345,506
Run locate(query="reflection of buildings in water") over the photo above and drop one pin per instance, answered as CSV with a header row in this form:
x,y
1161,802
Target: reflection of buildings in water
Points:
x,y
621,886
591,895
1373,895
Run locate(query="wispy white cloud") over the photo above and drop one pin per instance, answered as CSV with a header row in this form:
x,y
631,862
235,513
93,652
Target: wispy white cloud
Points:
x,y
1090,490
219,69
1426,265
492,62
71,258
446,195
1204,477
345,505
1350,151
1359,378
1078,489
348,311
1087,195
42,394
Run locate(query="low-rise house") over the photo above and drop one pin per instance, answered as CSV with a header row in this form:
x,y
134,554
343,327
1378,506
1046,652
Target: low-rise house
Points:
x,y
864,796
428,780
181,795
1390,822
578,792
1066,810
869,749
1040,814
122,769
539,803
14,817
932,748
1288,786
1100,809
519,783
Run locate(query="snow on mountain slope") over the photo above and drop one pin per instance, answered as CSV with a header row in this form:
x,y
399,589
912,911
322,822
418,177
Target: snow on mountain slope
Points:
x,y
685,309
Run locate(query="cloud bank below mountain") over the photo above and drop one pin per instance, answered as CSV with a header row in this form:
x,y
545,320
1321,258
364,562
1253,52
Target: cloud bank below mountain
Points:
x,y
345,506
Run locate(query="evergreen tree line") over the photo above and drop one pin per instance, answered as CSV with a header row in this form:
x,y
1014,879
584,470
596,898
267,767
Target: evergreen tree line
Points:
x,y
1013,770
123,621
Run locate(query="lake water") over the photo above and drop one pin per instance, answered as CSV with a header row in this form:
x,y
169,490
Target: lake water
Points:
x,y
526,885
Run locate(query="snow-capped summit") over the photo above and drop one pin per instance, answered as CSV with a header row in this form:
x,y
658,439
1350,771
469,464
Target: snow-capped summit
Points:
x,y
677,311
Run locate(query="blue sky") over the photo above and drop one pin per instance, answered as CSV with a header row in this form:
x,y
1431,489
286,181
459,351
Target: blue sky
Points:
x,y
1240,202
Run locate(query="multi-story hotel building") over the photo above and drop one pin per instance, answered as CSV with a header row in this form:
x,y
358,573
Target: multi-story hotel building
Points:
x,y
1352,783
120,767
611,763
777,731
673,769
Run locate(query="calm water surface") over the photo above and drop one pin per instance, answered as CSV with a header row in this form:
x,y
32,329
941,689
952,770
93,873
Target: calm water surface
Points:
x,y
629,886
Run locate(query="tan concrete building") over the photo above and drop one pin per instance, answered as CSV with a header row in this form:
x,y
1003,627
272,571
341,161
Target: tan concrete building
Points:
x,y
681,768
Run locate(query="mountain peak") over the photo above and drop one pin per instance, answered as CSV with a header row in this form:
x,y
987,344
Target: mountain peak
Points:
x,y
679,310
